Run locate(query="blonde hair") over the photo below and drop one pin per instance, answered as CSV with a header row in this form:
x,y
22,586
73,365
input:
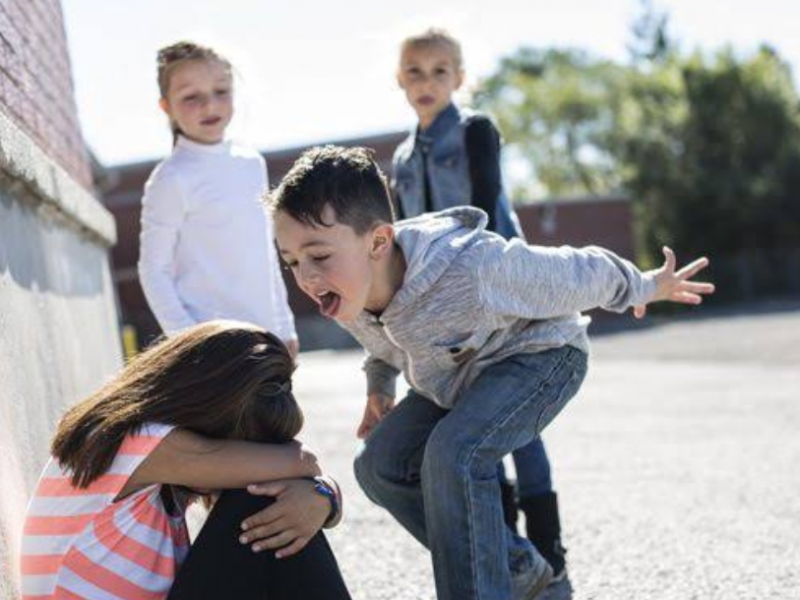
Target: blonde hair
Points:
x,y
171,57
435,36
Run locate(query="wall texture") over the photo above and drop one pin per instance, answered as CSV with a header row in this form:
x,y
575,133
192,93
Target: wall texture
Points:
x,y
58,317
36,81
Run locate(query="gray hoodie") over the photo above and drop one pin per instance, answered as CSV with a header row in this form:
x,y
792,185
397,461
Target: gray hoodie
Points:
x,y
470,299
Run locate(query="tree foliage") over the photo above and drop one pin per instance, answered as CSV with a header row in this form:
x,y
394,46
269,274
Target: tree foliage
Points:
x,y
557,108
706,145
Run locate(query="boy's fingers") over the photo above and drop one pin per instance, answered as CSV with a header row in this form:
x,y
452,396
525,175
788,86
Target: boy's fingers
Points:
x,y
639,311
669,258
698,287
693,268
686,298
363,430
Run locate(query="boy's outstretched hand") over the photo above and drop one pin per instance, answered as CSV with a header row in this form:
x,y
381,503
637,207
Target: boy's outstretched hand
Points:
x,y
676,286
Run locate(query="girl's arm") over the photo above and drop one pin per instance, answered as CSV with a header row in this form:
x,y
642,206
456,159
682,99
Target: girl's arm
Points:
x,y
284,319
285,328
482,143
162,218
191,460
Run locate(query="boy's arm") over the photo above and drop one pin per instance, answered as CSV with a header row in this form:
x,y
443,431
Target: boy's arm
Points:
x,y
381,377
482,142
540,283
284,318
381,390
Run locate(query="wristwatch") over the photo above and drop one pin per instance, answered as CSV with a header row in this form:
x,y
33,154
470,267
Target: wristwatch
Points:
x,y
323,488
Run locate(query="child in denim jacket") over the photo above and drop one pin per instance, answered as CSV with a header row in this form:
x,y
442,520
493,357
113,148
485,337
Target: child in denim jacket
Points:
x,y
452,159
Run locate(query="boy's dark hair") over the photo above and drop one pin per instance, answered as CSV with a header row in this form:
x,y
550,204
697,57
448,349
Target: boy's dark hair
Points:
x,y
346,179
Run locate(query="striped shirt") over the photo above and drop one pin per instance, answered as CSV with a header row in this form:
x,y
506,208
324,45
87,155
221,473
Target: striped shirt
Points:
x,y
80,544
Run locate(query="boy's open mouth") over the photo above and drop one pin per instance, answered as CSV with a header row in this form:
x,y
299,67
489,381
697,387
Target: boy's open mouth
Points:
x,y
329,304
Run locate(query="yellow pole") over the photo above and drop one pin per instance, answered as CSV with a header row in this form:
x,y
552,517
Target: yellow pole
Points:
x,y
130,342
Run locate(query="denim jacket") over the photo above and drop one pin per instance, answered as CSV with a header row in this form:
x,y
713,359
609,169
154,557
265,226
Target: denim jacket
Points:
x,y
443,147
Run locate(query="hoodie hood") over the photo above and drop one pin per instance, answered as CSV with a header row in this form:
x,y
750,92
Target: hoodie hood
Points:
x,y
430,243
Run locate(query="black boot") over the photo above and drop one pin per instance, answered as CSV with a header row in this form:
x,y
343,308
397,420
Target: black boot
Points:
x,y
544,530
509,498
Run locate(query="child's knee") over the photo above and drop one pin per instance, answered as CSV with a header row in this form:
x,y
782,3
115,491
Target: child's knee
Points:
x,y
454,459
241,502
363,467
378,465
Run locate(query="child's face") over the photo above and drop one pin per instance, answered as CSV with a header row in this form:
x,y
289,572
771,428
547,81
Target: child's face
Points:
x,y
333,265
429,77
200,100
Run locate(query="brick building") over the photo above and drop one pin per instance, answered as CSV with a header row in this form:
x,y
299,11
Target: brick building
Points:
x,y
58,318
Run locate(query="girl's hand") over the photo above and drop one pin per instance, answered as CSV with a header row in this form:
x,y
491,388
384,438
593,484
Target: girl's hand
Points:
x,y
676,286
378,406
288,524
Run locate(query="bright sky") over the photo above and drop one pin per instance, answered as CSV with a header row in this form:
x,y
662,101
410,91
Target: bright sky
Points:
x,y
316,70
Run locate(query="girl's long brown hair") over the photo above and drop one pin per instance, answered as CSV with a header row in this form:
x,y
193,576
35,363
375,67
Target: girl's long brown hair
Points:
x,y
221,379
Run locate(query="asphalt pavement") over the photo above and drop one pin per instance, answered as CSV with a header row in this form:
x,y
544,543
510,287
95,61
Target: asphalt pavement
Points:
x,y
677,465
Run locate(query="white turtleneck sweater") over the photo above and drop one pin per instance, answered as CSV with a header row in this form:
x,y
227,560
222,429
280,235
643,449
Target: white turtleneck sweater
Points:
x,y
207,243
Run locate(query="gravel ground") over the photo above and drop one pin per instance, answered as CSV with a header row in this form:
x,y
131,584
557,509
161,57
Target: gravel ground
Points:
x,y
677,465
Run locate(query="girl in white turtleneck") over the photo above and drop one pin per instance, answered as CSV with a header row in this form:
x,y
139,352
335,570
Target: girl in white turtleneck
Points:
x,y
207,248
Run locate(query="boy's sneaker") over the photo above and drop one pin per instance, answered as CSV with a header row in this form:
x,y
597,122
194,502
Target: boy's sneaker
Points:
x,y
529,584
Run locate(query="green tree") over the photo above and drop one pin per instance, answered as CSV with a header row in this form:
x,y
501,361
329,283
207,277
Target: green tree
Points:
x,y
557,109
712,154
706,145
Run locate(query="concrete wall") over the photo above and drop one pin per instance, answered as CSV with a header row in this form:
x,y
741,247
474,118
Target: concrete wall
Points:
x,y
58,319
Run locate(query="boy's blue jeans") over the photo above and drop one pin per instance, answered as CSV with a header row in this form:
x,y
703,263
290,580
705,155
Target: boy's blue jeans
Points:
x,y
435,470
